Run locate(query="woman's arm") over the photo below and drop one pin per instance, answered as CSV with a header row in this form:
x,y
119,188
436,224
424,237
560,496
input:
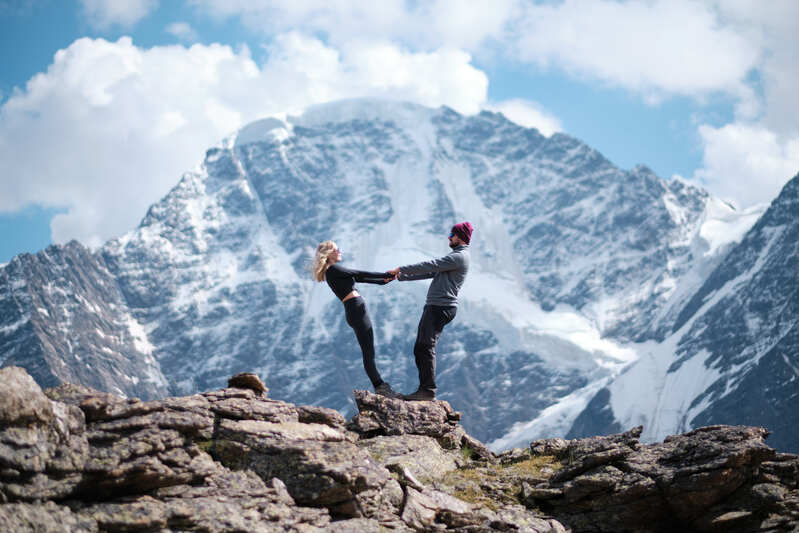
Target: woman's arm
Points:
x,y
442,264
364,276
378,278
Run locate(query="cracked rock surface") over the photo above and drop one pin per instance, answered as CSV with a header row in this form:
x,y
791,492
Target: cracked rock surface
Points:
x,y
716,478
73,459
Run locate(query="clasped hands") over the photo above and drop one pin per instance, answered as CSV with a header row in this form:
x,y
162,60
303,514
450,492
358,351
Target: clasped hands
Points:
x,y
394,274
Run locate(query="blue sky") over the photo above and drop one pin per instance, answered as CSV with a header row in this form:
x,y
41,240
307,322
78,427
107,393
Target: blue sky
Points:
x,y
92,135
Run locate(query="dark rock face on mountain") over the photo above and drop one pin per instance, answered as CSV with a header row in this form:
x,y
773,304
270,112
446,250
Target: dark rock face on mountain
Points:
x,y
751,332
73,460
64,319
584,232
735,355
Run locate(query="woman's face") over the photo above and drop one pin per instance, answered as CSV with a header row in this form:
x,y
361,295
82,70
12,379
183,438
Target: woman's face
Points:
x,y
334,256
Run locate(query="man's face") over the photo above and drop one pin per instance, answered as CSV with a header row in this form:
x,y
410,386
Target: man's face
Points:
x,y
454,240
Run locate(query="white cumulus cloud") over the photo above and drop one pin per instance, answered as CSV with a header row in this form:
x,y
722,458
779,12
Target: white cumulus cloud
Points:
x,y
424,25
106,13
110,127
528,114
749,159
746,164
772,28
183,31
657,48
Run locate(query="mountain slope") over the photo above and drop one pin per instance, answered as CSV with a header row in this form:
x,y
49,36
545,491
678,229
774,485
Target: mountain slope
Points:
x,y
65,320
734,354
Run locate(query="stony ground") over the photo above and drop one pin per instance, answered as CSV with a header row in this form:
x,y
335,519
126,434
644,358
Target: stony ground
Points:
x,y
234,460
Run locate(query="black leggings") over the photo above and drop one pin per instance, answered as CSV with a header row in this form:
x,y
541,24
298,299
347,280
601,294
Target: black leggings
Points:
x,y
358,319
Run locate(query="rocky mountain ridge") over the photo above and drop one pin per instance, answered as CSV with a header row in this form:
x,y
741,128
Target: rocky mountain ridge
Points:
x,y
74,460
733,354
66,318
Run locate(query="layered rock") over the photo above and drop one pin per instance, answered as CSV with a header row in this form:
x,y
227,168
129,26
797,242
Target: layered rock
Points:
x,y
73,459
113,464
717,478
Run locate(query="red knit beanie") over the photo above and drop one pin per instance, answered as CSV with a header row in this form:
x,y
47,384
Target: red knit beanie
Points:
x,y
463,230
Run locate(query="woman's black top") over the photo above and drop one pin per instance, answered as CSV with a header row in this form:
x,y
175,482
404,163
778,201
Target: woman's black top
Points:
x,y
342,280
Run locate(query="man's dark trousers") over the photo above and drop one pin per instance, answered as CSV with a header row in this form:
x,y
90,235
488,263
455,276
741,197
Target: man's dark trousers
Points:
x,y
434,318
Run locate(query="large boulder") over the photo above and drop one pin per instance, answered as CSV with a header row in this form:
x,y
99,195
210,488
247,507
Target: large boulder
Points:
x,y
379,415
320,465
413,456
43,444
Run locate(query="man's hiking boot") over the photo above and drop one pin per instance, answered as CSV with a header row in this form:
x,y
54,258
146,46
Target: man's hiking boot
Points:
x,y
384,389
421,395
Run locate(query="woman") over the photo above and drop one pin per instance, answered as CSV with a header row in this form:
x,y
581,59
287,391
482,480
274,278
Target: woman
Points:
x,y
342,281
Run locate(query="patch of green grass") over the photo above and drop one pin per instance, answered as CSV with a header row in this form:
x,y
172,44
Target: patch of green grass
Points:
x,y
474,495
495,486
467,452
534,466
205,445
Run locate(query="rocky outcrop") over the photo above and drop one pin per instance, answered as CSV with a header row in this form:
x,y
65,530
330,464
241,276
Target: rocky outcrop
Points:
x,y
73,459
717,478
378,415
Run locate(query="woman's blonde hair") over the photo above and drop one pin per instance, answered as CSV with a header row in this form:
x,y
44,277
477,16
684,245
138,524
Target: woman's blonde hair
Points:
x,y
319,266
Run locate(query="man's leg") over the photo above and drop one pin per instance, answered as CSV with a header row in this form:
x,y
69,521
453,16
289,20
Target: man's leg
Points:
x,y
432,323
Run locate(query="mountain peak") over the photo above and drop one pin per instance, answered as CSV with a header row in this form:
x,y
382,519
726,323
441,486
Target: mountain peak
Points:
x,y
364,109
267,129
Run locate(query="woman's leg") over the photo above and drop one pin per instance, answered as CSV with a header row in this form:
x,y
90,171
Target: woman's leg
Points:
x,y
358,319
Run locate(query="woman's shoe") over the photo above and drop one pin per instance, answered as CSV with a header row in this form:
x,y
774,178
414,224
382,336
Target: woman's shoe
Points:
x,y
384,389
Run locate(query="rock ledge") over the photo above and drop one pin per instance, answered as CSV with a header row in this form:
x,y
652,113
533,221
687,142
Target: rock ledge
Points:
x,y
73,459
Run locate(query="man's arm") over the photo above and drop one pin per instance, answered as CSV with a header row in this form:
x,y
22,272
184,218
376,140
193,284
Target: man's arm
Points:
x,y
442,264
414,277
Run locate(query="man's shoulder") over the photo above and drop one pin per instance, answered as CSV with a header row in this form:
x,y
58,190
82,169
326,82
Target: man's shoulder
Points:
x,y
461,255
461,251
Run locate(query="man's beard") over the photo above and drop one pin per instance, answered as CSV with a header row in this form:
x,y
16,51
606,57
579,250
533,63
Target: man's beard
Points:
x,y
452,244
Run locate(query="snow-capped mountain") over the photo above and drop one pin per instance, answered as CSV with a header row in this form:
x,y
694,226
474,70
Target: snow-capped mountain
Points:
x,y
62,317
733,356
576,265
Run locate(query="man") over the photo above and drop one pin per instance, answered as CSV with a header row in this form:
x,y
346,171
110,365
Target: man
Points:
x,y
448,273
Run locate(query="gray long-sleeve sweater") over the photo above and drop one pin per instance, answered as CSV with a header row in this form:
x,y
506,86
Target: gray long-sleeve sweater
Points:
x,y
448,273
